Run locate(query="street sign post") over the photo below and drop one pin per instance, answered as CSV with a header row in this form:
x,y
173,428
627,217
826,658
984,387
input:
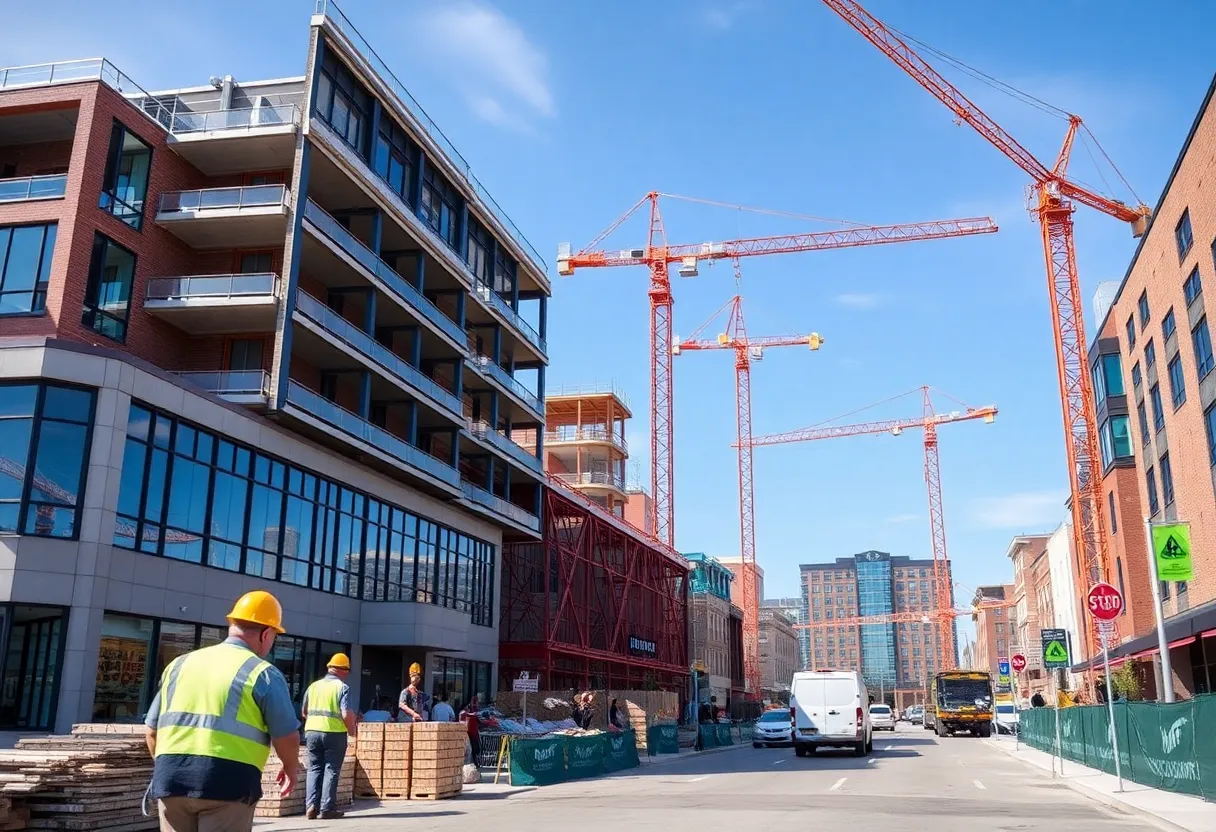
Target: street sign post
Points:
x,y
1106,604
1018,662
1055,648
1169,559
525,684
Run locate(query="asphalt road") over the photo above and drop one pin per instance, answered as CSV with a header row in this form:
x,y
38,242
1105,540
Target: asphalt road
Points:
x,y
914,782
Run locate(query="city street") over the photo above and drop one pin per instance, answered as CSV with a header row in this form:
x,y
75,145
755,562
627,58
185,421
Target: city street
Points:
x,y
912,782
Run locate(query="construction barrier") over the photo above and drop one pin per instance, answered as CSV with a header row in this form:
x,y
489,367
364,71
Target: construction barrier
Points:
x,y
662,739
543,761
1170,747
726,734
621,751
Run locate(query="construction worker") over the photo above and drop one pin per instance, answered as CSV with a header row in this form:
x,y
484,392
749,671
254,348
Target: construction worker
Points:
x,y
328,718
211,725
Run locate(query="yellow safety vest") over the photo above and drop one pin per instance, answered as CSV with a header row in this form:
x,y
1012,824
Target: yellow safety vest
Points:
x,y
207,707
323,700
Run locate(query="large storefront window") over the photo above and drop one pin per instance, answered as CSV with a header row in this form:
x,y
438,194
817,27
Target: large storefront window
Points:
x,y
187,494
135,652
32,662
461,679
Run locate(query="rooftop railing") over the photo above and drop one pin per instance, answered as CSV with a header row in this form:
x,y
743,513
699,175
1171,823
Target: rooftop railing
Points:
x,y
33,187
86,69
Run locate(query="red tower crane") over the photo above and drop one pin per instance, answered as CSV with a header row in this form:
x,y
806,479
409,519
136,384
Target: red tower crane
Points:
x,y
1054,196
658,255
929,421
747,349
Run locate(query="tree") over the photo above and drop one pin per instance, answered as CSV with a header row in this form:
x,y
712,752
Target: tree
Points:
x,y
1126,681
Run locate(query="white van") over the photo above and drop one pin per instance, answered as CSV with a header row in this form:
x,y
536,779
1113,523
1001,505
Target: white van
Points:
x,y
830,708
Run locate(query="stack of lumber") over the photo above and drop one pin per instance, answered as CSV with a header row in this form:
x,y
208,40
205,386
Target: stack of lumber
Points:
x,y
92,779
13,817
382,760
437,760
273,806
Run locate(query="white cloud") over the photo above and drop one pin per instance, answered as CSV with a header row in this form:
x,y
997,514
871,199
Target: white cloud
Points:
x,y
498,68
1021,510
859,300
903,518
722,18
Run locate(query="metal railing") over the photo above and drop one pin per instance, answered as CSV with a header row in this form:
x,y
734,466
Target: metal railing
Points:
x,y
593,478
354,425
500,506
208,199
593,433
33,187
230,382
589,389
357,249
486,365
344,330
86,69
245,118
329,9
520,454
486,293
214,286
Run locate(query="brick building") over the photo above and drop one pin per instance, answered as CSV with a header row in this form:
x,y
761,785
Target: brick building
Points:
x,y
995,628
778,654
1033,609
254,334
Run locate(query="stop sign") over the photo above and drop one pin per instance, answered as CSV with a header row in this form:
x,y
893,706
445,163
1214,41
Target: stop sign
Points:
x,y
1105,602
1018,662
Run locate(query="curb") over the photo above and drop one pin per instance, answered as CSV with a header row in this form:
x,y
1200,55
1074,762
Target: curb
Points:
x,y
1096,795
663,759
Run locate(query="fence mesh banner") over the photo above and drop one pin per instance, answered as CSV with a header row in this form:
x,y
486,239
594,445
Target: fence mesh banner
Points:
x,y
709,736
662,739
539,762
725,734
584,756
1165,746
621,749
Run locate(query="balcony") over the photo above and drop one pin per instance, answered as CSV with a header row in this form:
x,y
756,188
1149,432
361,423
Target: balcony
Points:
x,y
519,454
503,508
594,479
227,141
215,304
315,407
250,387
330,229
486,368
394,365
254,216
31,188
499,304
587,433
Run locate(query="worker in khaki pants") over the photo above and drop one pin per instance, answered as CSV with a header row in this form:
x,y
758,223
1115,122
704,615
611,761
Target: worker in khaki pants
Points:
x,y
211,725
328,719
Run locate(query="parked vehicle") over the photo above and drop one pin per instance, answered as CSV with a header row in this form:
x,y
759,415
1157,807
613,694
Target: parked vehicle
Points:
x,y
960,700
773,728
830,708
1007,718
882,718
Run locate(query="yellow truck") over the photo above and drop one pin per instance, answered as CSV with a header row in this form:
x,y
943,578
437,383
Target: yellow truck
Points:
x,y
960,700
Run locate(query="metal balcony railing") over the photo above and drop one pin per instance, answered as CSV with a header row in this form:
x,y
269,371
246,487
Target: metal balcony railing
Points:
x,y
486,366
354,425
409,105
482,430
589,389
500,303
33,187
242,119
344,330
213,286
593,478
500,506
592,433
208,199
369,260
231,382
87,69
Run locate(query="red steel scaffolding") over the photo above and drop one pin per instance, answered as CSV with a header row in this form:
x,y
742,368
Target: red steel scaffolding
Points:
x,y
593,604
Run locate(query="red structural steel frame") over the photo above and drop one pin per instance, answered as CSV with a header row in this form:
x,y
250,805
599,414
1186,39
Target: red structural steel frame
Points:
x,y
1054,197
573,603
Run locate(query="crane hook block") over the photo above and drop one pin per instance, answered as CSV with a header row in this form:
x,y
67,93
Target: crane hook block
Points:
x,y
815,341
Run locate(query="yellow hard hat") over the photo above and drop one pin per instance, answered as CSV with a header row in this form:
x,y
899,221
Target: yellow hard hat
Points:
x,y
258,607
340,661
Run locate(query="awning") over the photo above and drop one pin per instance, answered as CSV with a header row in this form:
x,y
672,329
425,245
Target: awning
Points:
x,y
1181,630
1182,642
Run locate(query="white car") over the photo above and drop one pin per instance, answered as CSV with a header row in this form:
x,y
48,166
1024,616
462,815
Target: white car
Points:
x,y
830,709
882,718
774,727
1007,718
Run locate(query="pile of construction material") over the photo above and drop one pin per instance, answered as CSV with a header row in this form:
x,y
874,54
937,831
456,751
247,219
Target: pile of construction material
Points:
x,y
273,806
92,779
418,761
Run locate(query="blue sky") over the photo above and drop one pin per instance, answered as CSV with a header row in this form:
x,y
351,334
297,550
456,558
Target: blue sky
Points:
x,y
569,112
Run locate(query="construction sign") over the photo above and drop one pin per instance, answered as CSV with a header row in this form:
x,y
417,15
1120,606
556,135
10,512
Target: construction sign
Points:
x,y
1055,648
1172,549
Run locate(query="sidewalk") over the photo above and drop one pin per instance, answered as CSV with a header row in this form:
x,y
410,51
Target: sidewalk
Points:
x,y
1167,809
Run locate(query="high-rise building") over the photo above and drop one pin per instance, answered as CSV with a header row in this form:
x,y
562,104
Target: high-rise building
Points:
x,y
894,656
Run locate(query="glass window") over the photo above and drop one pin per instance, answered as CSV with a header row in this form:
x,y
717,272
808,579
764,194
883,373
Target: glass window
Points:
x,y
1114,518
396,159
1142,307
1167,478
1150,479
1136,377
1183,236
1154,394
481,247
1150,354
107,300
1168,325
343,103
1143,418
1121,437
1209,424
441,206
1112,373
126,181
122,669
1202,341
25,267
256,262
1177,382
1193,287
1131,333
32,665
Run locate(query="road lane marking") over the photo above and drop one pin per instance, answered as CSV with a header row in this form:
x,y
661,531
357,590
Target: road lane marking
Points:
x,y
871,761
779,762
697,779
980,785
836,786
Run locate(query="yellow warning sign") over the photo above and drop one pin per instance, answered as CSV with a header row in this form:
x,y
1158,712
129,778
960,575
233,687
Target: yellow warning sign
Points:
x,y
1172,550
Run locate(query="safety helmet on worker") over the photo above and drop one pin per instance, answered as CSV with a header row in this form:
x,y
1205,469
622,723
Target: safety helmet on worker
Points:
x,y
340,661
259,607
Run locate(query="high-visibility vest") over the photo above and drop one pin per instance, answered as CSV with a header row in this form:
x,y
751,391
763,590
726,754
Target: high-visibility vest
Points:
x,y
207,707
324,703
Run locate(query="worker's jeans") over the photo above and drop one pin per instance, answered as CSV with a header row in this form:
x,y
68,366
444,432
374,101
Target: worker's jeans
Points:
x,y
325,754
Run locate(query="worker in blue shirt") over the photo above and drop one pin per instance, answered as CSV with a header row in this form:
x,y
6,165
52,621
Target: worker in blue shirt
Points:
x,y
328,719
211,725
